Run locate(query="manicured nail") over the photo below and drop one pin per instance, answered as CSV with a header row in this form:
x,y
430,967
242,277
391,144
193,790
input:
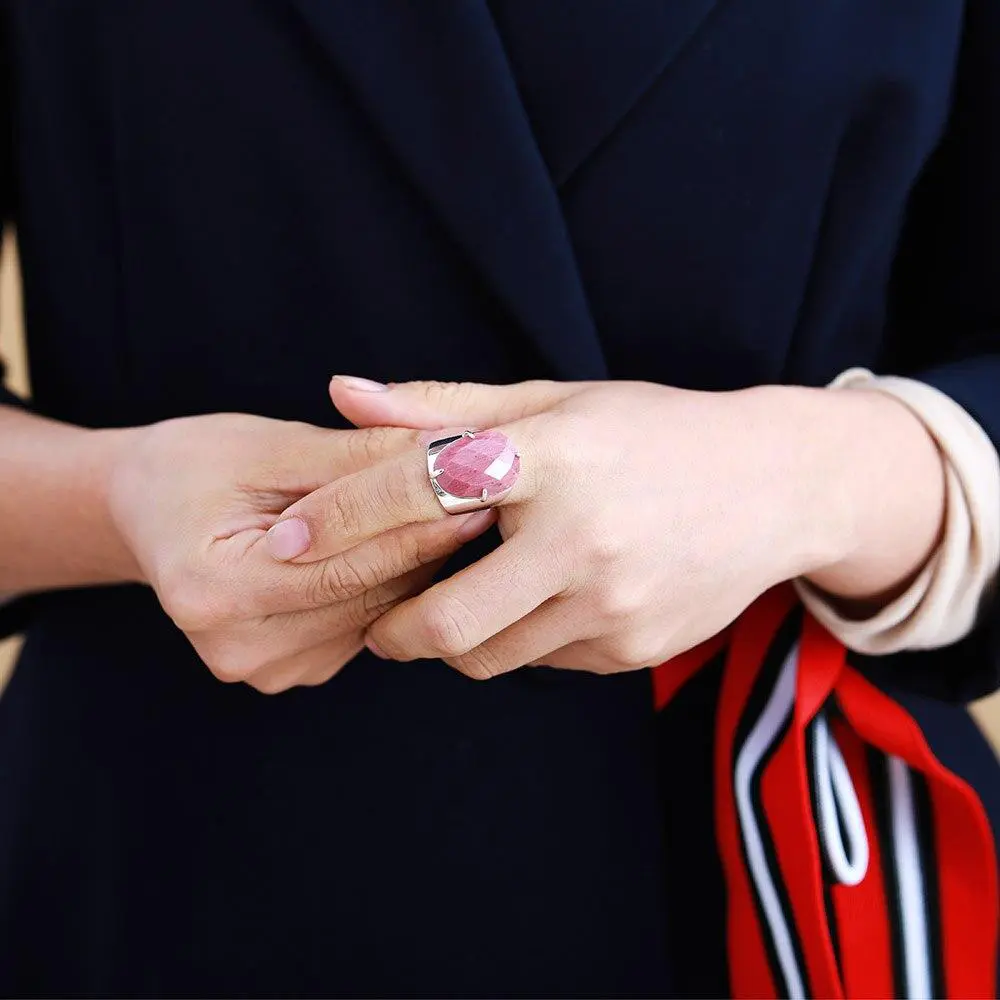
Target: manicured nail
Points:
x,y
474,525
373,648
288,539
360,384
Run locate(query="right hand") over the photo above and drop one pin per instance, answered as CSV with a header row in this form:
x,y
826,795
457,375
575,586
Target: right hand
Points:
x,y
193,499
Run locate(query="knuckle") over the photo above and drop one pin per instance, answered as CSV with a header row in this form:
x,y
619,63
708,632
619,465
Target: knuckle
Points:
x,y
435,390
334,580
230,663
448,627
480,664
342,515
617,603
333,661
376,602
397,492
416,545
271,683
636,651
185,609
530,392
397,552
190,604
368,607
203,597
604,547
370,445
450,396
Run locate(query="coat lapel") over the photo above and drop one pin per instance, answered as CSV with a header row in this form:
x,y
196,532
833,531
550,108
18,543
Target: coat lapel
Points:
x,y
433,77
580,68
488,106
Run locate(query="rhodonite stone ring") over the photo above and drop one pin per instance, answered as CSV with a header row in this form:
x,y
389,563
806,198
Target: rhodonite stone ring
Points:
x,y
472,470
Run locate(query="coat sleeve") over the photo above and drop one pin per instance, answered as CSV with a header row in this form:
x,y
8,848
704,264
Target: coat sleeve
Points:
x,y
944,320
14,614
7,398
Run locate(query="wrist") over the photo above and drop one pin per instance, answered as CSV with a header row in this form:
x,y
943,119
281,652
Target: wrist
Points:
x,y
103,456
56,527
866,495
805,469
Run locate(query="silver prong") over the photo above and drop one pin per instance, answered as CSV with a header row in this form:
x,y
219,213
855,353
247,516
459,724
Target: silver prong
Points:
x,y
436,473
468,434
483,496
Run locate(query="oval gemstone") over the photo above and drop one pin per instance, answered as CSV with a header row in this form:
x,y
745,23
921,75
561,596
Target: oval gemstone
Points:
x,y
488,461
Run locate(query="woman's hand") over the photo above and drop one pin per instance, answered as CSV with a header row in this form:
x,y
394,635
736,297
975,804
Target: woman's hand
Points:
x,y
645,518
193,500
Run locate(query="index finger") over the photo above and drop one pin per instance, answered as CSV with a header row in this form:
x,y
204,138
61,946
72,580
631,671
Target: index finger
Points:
x,y
360,506
307,457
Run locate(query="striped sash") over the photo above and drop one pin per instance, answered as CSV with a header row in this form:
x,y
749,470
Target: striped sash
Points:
x,y
856,865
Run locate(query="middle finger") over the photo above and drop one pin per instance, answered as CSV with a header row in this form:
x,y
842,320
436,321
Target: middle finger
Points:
x,y
464,611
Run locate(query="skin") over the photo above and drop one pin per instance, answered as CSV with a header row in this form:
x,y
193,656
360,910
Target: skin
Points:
x,y
184,506
645,519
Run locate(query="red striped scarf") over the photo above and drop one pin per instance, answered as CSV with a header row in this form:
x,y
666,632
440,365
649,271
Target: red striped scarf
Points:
x,y
856,865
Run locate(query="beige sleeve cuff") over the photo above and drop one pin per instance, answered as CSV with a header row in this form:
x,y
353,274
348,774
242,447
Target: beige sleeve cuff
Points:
x,y
942,604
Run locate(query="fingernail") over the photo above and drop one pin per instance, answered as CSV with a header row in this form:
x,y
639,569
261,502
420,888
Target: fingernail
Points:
x,y
474,525
288,539
376,650
360,384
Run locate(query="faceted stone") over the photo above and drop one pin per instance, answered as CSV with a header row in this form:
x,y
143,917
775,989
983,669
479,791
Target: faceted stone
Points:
x,y
488,461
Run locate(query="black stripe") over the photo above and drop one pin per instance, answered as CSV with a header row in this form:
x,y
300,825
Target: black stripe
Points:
x,y
774,658
777,652
829,879
878,769
924,809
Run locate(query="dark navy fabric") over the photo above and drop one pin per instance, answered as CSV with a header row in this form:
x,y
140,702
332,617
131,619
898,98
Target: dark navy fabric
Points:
x,y
220,204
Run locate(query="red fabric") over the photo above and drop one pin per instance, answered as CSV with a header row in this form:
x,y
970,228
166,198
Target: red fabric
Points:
x,y
861,911
966,860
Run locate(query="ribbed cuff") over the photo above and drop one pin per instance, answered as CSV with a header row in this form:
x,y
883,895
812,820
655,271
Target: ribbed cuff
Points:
x,y
942,604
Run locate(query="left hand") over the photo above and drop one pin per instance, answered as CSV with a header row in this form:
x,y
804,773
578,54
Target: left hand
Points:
x,y
645,519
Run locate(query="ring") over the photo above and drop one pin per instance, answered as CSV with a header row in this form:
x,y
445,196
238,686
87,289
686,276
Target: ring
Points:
x,y
472,470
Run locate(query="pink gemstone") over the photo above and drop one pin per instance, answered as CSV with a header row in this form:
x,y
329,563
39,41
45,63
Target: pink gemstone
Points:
x,y
470,465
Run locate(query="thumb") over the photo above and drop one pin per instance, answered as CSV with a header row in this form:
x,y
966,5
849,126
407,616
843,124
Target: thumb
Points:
x,y
431,405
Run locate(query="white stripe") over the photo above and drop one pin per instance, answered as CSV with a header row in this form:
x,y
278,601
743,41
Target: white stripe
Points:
x,y
777,710
837,803
916,954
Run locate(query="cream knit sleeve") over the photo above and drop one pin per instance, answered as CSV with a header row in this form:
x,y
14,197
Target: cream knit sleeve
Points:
x,y
942,604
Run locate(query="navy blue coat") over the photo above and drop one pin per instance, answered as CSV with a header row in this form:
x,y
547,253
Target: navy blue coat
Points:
x,y
220,204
